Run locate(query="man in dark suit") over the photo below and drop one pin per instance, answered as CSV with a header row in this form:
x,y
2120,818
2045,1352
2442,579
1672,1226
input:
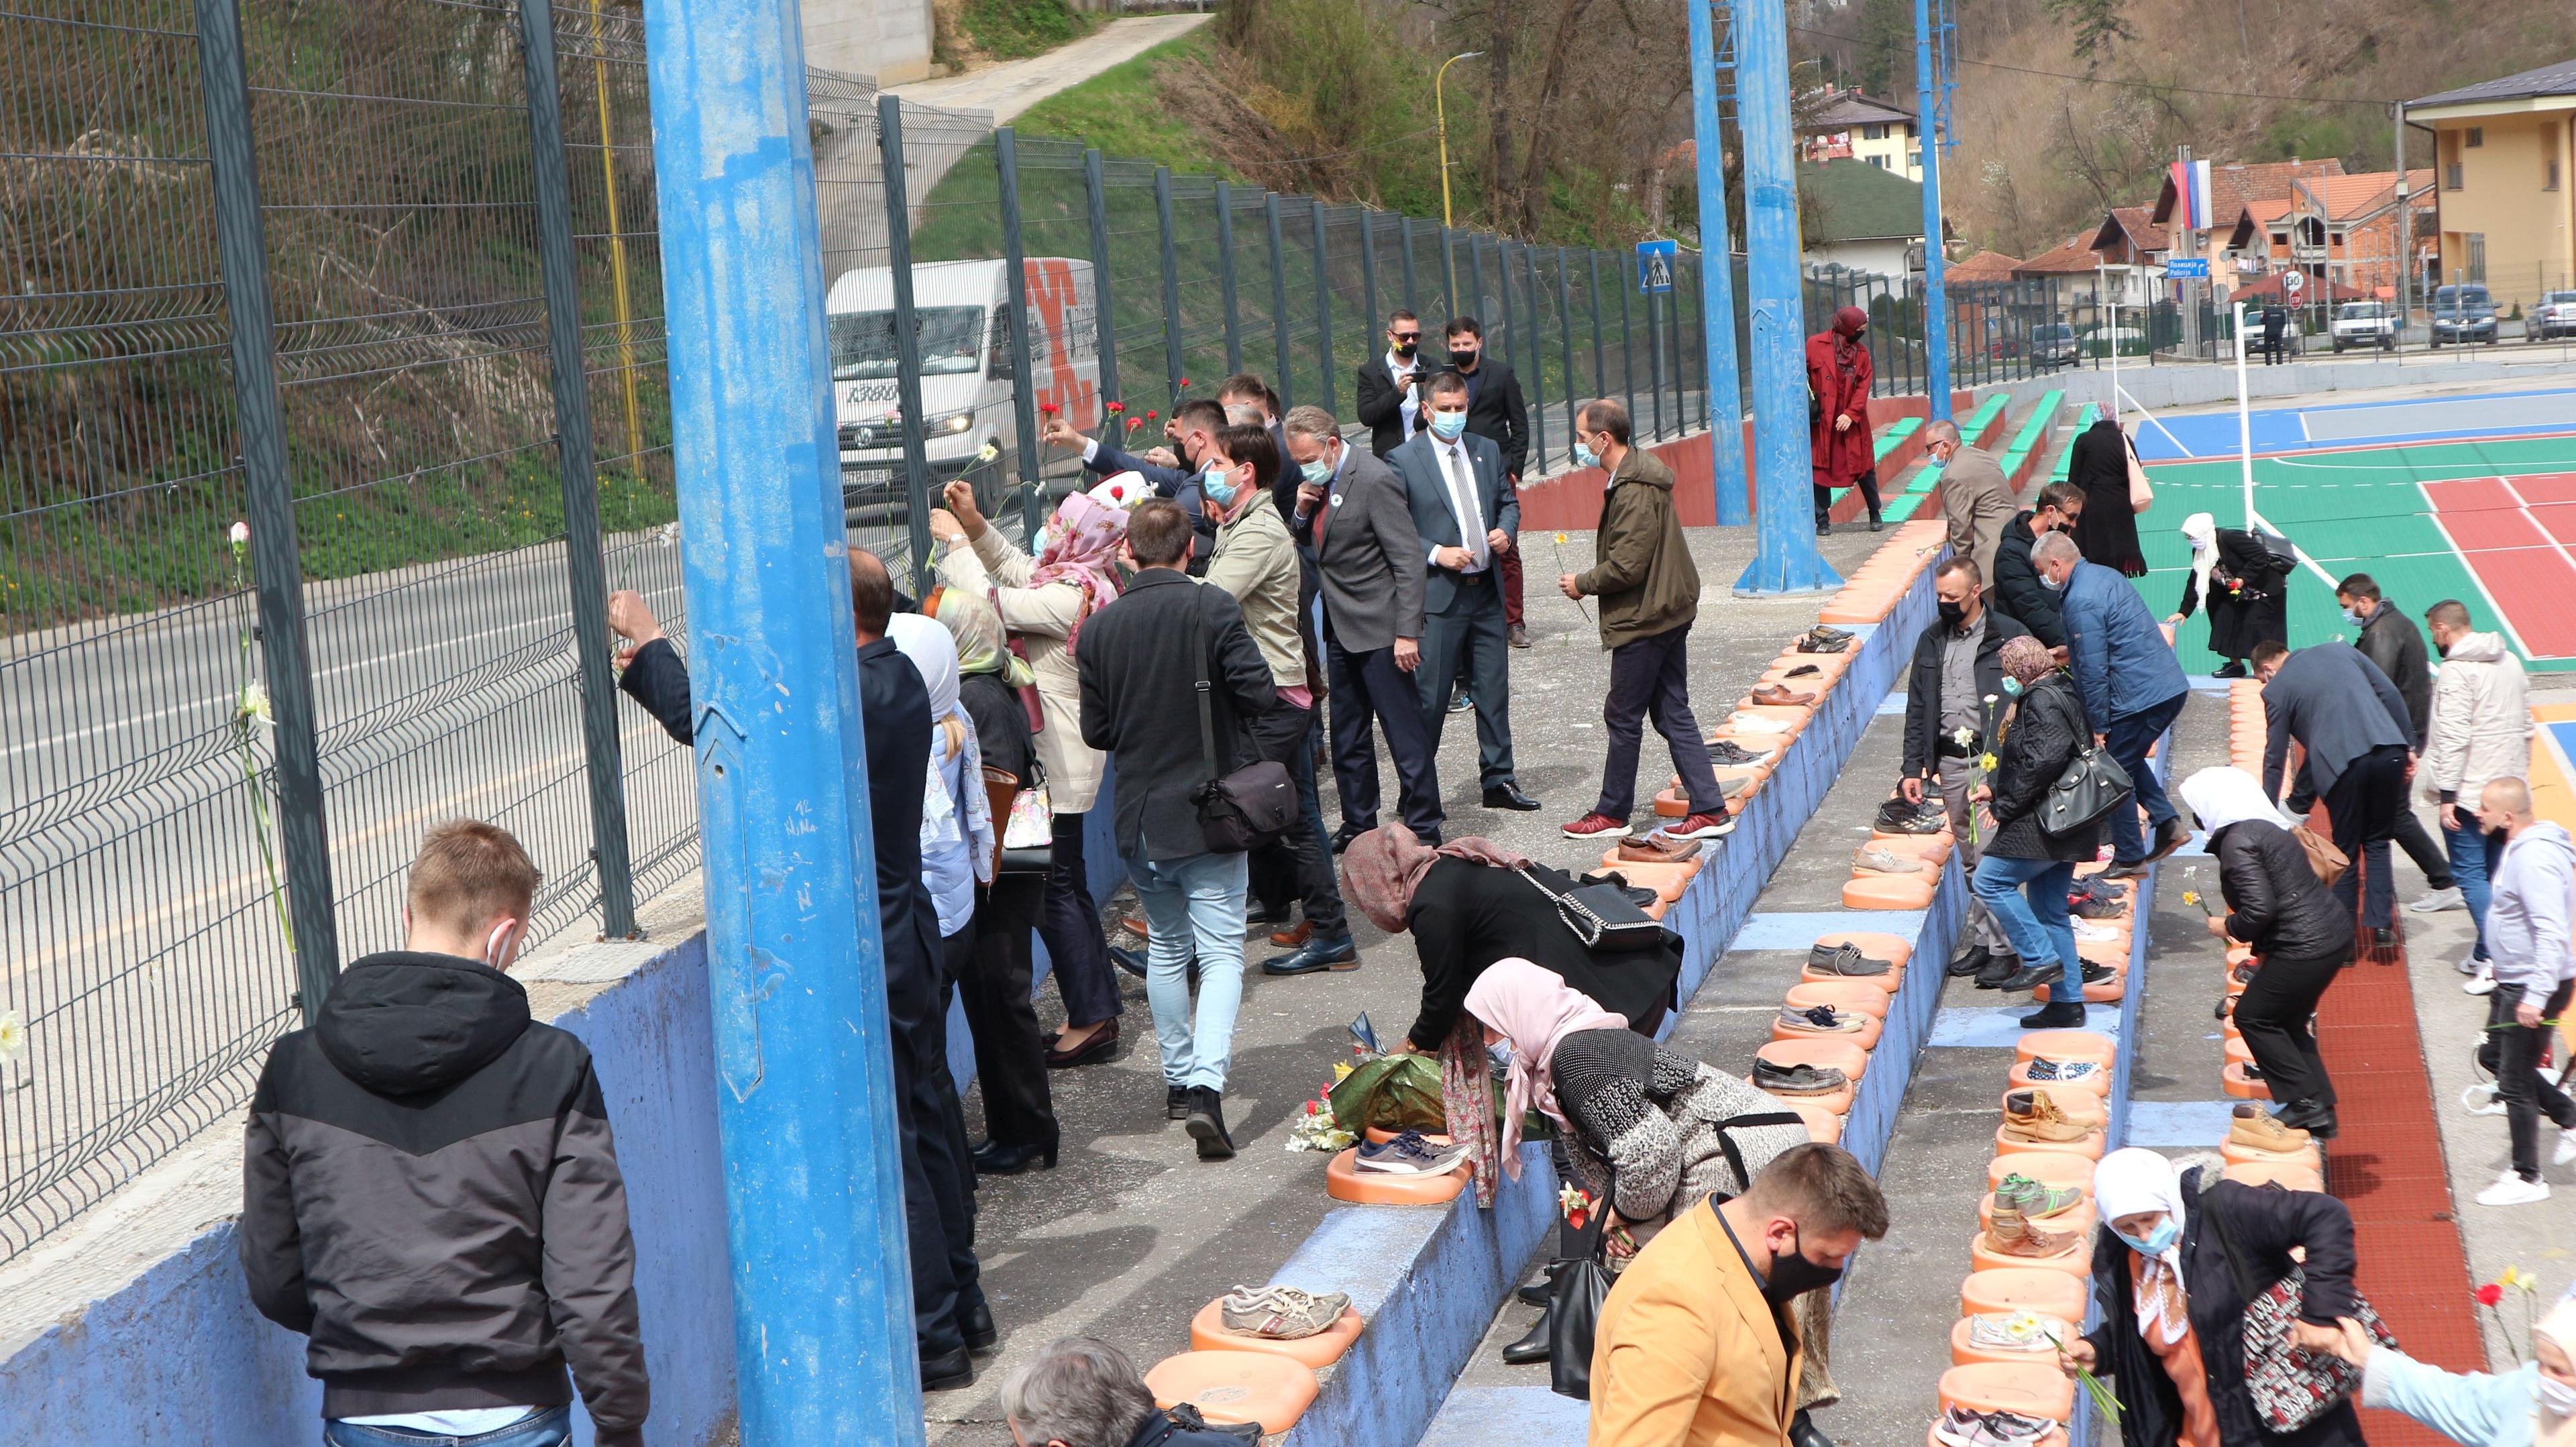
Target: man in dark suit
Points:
x,y
1370,559
1389,395
949,1312
1195,423
1143,657
1495,412
1469,519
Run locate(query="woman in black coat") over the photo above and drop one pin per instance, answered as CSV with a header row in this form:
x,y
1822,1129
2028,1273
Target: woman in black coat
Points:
x,y
2025,872
2163,1248
2301,935
2244,584
2107,533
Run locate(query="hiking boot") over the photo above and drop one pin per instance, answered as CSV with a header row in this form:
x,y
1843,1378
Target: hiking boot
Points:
x,y
1728,754
2030,1115
1845,962
1280,1313
2009,1233
1597,825
1822,1020
1657,848
2034,1200
1797,1079
2255,1129
1879,859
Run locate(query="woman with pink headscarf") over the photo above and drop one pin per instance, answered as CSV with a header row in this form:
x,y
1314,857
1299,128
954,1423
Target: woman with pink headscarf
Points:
x,y
1644,1132
1838,380
1043,602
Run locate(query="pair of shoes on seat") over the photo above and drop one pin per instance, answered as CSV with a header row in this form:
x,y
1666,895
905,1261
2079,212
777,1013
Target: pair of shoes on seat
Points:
x,y
2254,1128
2033,1116
1845,962
1797,1079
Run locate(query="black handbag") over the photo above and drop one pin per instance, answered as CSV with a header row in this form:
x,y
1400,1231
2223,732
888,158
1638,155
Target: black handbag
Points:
x,y
2090,786
1249,807
1573,1312
1602,916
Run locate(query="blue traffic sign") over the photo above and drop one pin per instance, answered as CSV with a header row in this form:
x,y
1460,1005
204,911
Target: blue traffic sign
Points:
x,y
1655,265
2181,267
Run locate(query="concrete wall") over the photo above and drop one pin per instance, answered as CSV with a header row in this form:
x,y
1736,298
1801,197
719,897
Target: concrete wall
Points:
x,y
887,39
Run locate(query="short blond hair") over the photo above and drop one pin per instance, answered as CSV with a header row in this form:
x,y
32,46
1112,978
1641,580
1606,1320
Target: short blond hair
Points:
x,y
469,873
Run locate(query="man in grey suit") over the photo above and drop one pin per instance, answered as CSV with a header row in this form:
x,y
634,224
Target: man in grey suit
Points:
x,y
1352,509
1469,517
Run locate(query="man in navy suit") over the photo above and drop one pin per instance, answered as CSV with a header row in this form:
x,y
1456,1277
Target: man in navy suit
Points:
x,y
1469,519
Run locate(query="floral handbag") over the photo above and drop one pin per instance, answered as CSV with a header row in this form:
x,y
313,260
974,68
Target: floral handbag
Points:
x,y
2291,1386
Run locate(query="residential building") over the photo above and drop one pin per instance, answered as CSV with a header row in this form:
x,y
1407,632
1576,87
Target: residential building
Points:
x,y
1862,218
2132,247
2342,229
2075,266
1849,126
2505,150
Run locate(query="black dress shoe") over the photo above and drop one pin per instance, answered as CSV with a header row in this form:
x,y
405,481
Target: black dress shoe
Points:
x,y
1970,961
2383,938
1803,1433
1206,1124
2314,1117
2232,668
947,1371
1176,1102
1102,1044
2173,836
977,1327
1132,961
1314,957
1343,836
2031,977
1999,968
2055,1015
1531,1348
995,1159
1508,795
2134,869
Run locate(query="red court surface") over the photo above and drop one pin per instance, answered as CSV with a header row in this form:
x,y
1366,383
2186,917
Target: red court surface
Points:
x,y
2518,535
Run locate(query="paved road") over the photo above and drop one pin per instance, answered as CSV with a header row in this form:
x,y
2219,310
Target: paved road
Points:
x,y
1013,86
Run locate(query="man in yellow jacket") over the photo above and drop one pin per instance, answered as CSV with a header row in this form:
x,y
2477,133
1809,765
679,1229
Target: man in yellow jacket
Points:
x,y
1694,1346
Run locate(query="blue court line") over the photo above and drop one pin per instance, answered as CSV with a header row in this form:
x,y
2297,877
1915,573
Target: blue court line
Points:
x,y
1797,929
2179,1123
1999,1026
1893,703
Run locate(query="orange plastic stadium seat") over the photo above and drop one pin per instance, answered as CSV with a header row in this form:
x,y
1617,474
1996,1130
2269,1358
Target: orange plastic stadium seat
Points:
x,y
2034,1389
1840,1055
2288,1177
1235,1386
2062,1169
1822,1125
2078,1218
1888,891
2023,1288
2238,1052
2308,1158
1208,1334
1344,1182
2066,1045
2232,1080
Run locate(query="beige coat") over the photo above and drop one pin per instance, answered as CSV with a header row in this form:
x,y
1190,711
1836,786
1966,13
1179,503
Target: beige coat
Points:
x,y
1256,561
1686,1353
1976,502
2480,727
1041,617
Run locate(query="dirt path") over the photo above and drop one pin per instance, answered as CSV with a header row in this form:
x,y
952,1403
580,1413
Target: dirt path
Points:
x,y
1013,86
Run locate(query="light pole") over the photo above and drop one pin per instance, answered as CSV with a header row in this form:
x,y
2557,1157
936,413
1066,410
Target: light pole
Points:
x,y
1440,105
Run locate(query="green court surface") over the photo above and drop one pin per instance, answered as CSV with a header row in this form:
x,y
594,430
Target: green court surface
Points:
x,y
2352,511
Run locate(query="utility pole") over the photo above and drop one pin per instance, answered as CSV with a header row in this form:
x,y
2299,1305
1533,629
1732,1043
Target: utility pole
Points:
x,y
1936,294
2405,229
1724,399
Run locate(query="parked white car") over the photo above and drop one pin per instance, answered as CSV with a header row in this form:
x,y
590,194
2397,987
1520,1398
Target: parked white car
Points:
x,y
2365,324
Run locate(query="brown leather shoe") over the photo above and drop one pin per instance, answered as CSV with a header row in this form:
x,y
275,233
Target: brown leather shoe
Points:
x,y
1657,849
2009,1233
1135,925
1291,938
2031,1115
1102,1044
1781,694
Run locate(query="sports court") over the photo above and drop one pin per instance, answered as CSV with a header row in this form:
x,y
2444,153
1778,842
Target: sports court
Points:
x,y
2470,497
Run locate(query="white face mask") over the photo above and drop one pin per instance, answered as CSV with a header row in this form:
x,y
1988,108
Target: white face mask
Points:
x,y
1500,1053
2556,1397
2051,584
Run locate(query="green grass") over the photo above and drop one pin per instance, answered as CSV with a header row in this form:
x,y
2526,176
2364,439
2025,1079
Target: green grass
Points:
x,y
1121,112
1012,29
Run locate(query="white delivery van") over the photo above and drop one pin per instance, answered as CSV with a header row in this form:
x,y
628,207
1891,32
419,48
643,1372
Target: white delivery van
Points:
x,y
963,318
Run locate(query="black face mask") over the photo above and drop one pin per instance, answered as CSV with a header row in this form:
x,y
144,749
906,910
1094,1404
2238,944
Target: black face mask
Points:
x,y
1954,614
1404,351
1793,1276
2442,650
1464,361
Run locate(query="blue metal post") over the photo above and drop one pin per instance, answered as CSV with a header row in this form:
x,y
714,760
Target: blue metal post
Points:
x,y
1785,558
1936,296
1717,280
813,1192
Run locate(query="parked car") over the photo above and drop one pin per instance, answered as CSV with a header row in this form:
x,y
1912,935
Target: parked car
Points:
x,y
2464,313
2099,341
2052,344
2555,316
2365,324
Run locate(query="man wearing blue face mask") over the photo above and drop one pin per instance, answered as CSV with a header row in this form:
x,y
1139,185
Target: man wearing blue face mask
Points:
x,y
1468,516
2133,689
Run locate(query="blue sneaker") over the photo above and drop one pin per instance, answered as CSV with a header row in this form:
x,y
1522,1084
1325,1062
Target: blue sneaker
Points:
x,y
1409,1155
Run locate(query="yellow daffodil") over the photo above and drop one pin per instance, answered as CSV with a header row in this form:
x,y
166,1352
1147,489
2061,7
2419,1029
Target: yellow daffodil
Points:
x,y
13,1037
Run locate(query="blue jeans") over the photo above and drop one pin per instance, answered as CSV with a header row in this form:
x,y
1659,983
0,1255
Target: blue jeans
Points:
x,y
551,1427
2128,739
2474,853
2028,898
1195,906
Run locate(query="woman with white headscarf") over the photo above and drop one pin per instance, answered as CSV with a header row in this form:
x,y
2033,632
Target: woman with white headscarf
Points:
x,y
2276,904
956,817
2533,1405
2244,585
2172,1338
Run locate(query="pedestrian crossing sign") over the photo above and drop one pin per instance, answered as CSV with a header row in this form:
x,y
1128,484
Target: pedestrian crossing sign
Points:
x,y
1655,266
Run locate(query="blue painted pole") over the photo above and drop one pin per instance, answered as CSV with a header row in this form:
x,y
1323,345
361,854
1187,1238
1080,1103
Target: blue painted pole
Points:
x,y
1717,279
805,1106
1936,294
1785,558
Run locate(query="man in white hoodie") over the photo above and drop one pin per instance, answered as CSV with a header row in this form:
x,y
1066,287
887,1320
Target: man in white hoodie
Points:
x,y
2535,971
2480,729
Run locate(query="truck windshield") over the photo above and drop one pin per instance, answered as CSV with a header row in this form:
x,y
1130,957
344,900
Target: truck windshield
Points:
x,y
951,339
2359,311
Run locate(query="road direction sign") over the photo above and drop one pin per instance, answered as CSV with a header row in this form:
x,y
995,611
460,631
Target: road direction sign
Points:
x,y
2182,267
1655,266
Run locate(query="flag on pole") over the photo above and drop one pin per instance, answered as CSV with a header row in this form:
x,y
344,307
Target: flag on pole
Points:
x,y
2191,194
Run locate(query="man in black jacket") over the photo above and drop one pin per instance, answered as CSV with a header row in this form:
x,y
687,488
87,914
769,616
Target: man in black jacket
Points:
x,y
1192,425
430,1192
2390,639
950,1316
2352,722
1956,669
2018,592
1390,400
1143,662
1496,413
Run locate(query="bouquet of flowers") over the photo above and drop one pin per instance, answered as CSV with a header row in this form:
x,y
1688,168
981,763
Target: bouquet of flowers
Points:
x,y
2491,1297
1314,1128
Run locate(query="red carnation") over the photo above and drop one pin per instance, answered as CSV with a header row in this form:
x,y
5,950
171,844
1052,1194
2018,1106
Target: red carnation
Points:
x,y
2490,1294
1049,408
1116,407
1182,383
1151,415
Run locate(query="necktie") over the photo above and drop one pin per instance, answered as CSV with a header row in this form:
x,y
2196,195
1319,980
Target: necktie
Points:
x,y
1462,487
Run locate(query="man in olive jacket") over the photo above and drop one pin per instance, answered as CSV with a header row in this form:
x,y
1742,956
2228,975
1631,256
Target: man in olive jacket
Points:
x,y
1649,596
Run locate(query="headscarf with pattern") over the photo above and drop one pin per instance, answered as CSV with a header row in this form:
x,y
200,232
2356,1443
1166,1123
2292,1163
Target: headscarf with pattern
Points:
x,y
1383,867
1083,552
977,628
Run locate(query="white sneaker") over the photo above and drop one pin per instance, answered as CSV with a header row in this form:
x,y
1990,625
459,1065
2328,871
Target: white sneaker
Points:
x,y
2513,1190
2483,982
2469,962
2566,1152
2439,900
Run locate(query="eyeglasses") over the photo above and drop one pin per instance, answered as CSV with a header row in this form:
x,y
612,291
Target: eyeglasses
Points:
x,y
1406,336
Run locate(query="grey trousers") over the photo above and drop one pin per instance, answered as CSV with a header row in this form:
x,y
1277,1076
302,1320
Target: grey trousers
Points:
x,y
1982,925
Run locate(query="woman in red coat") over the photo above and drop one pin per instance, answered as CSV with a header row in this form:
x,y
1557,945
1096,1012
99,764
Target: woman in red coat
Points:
x,y
1838,377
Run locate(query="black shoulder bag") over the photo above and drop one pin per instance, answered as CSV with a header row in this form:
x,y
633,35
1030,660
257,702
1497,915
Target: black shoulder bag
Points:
x,y
1601,915
2090,786
1249,807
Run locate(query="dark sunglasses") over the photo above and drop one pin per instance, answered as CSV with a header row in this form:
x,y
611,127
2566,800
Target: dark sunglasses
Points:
x,y
1406,336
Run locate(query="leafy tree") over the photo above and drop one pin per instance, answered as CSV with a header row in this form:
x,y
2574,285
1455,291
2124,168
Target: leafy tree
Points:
x,y
1886,44
2097,24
